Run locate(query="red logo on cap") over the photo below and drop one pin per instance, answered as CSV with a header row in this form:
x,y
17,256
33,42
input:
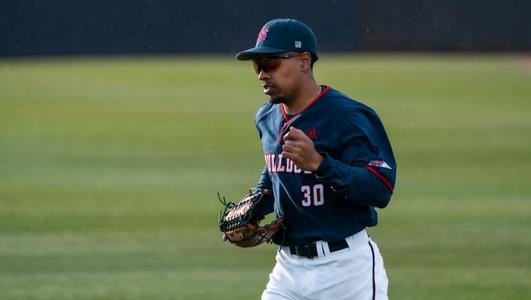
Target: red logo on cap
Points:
x,y
262,34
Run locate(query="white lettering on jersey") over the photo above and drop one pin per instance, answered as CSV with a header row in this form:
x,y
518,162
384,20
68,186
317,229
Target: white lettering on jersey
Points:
x,y
280,167
276,163
289,166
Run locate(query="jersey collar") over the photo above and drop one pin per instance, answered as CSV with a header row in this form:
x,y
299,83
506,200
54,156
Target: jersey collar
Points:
x,y
285,115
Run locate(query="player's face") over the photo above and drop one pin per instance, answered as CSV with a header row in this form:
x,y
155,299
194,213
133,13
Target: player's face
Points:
x,y
278,75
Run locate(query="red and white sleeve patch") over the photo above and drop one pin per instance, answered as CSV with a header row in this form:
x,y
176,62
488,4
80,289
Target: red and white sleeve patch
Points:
x,y
380,164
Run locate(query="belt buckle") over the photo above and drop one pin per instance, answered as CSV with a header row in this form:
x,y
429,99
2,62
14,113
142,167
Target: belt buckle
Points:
x,y
337,245
304,250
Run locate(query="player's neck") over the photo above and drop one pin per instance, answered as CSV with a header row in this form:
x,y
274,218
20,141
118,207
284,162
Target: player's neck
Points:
x,y
307,93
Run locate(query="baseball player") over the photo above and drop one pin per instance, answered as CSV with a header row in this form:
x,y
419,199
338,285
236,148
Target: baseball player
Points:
x,y
328,164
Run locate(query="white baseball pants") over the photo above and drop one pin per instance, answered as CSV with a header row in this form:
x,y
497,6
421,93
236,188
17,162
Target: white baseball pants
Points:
x,y
354,273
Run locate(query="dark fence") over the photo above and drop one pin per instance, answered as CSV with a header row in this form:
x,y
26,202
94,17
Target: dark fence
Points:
x,y
164,26
441,25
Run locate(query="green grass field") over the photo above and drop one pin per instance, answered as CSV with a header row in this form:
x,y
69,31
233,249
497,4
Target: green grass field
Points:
x,y
109,169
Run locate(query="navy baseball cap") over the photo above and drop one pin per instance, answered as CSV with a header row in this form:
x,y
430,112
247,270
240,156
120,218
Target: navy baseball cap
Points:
x,y
279,36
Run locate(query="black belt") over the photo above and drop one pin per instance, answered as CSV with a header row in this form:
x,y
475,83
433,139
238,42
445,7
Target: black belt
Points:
x,y
310,250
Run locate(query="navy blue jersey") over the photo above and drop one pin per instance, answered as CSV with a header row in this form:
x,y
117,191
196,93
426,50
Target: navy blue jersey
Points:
x,y
357,173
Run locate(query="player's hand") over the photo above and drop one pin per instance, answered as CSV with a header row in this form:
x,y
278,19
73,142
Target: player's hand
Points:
x,y
300,149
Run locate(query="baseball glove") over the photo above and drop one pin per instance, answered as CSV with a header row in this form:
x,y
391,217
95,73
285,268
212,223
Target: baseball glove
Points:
x,y
240,222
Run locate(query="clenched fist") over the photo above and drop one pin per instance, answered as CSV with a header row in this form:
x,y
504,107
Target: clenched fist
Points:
x,y
299,148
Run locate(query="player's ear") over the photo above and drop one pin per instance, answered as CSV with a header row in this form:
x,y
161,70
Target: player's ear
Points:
x,y
306,62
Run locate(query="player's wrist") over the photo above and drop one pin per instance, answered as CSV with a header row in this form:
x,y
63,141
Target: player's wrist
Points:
x,y
318,159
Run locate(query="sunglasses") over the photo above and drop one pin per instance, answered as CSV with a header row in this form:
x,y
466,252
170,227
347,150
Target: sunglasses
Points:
x,y
271,63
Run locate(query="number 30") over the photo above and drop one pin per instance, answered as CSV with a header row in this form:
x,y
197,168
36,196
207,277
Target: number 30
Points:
x,y
316,194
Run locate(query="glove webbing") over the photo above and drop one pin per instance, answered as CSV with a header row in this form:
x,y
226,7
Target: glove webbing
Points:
x,y
238,221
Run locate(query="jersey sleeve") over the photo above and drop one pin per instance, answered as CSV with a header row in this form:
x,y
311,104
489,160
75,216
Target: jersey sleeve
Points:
x,y
265,181
364,170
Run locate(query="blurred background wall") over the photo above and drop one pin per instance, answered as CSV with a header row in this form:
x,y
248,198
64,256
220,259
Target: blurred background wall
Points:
x,y
162,26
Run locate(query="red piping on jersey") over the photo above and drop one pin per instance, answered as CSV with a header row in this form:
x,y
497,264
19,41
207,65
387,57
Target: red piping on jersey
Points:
x,y
382,178
284,127
327,88
288,120
284,113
